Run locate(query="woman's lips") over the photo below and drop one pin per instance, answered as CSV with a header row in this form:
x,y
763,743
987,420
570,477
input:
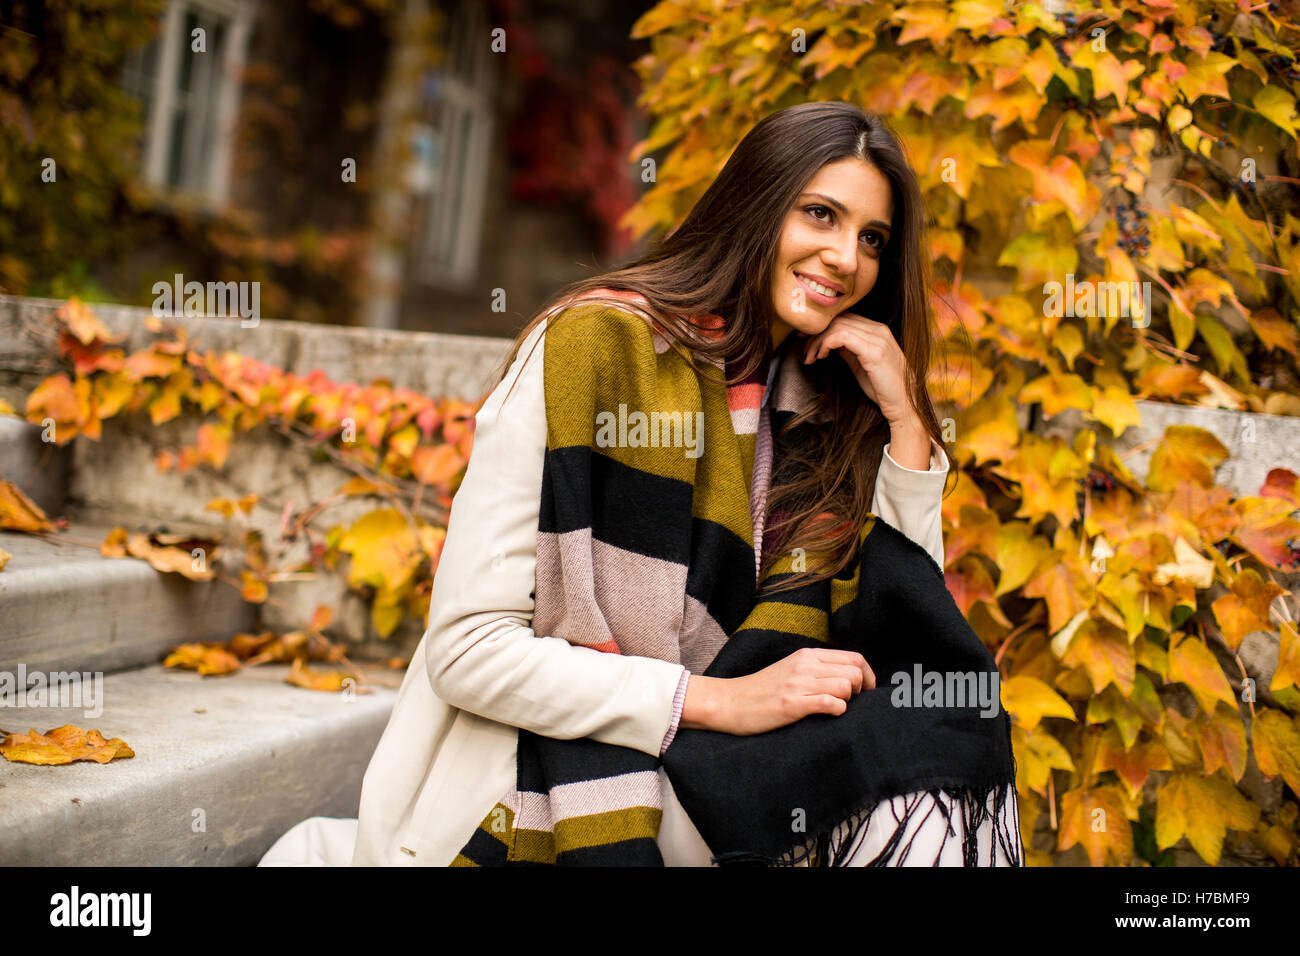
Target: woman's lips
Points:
x,y
819,297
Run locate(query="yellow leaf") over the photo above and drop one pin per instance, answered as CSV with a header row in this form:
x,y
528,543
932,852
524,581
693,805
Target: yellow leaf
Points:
x,y
1203,809
1037,754
1188,566
1288,661
1194,664
1278,107
1028,700
1277,746
1056,393
1186,453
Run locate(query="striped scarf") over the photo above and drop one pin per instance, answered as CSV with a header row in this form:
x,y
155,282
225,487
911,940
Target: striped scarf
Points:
x,y
651,548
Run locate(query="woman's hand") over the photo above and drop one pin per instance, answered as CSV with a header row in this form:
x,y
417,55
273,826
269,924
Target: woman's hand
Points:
x,y
812,680
880,367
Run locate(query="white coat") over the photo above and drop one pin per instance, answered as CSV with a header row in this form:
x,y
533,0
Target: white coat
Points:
x,y
448,752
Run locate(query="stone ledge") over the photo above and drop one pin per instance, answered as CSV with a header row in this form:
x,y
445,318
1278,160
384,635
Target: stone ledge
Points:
x,y
66,606
254,754
437,364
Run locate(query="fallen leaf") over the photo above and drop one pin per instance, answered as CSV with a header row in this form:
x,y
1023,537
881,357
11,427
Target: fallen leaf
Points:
x,y
20,513
4,558
114,545
300,675
205,658
62,745
175,553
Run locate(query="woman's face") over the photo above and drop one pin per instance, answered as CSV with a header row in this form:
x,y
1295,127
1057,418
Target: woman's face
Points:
x,y
830,246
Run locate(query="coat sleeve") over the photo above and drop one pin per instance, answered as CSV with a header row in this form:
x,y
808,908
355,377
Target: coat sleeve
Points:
x,y
911,500
482,654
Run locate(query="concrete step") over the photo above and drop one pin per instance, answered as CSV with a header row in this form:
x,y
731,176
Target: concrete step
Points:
x,y
223,766
39,468
63,605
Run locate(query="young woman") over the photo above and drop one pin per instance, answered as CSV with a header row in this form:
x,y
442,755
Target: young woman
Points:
x,y
809,247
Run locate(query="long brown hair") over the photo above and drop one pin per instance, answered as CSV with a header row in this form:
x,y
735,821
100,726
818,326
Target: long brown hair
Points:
x,y
719,261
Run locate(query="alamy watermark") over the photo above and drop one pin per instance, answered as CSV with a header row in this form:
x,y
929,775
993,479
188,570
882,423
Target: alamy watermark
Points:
x,y
75,908
55,689
242,300
655,430
1125,300
922,688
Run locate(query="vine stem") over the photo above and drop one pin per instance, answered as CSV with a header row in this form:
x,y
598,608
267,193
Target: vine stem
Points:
x,y
997,658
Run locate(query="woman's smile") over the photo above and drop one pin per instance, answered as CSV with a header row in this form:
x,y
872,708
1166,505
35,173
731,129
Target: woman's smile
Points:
x,y
821,292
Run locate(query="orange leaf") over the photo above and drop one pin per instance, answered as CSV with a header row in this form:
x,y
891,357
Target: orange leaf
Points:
x,y
300,675
320,618
1245,608
1281,483
20,513
1222,738
204,658
56,399
1268,531
252,588
82,323
436,464
175,554
63,745
1095,819
1105,653
1132,766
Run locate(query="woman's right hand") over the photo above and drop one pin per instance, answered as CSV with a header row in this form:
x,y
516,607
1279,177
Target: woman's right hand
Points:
x,y
812,680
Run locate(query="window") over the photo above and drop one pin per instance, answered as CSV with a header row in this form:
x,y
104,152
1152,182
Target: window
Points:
x,y
453,147
188,82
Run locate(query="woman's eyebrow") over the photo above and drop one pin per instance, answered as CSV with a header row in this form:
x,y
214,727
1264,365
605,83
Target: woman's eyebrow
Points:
x,y
831,201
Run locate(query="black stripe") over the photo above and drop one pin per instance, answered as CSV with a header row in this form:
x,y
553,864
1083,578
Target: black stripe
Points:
x,y
637,511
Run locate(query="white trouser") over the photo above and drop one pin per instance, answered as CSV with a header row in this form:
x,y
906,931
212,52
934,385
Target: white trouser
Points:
x,y
933,838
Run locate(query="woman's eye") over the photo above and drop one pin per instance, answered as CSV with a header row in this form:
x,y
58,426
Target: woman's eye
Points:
x,y
876,240
815,210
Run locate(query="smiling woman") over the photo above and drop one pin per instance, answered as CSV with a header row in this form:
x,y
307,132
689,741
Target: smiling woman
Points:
x,y
627,642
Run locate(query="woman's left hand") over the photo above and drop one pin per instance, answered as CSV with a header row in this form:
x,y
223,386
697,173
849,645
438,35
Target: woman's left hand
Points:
x,y
876,361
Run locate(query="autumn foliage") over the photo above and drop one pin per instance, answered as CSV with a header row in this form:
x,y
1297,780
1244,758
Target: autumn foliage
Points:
x,y
405,448
1121,142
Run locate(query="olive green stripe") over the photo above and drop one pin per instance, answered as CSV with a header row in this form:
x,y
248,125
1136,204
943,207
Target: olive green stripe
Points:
x,y
614,351
798,619
613,826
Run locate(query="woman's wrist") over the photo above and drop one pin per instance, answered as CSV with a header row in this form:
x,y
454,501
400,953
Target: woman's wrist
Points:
x,y
706,702
909,444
